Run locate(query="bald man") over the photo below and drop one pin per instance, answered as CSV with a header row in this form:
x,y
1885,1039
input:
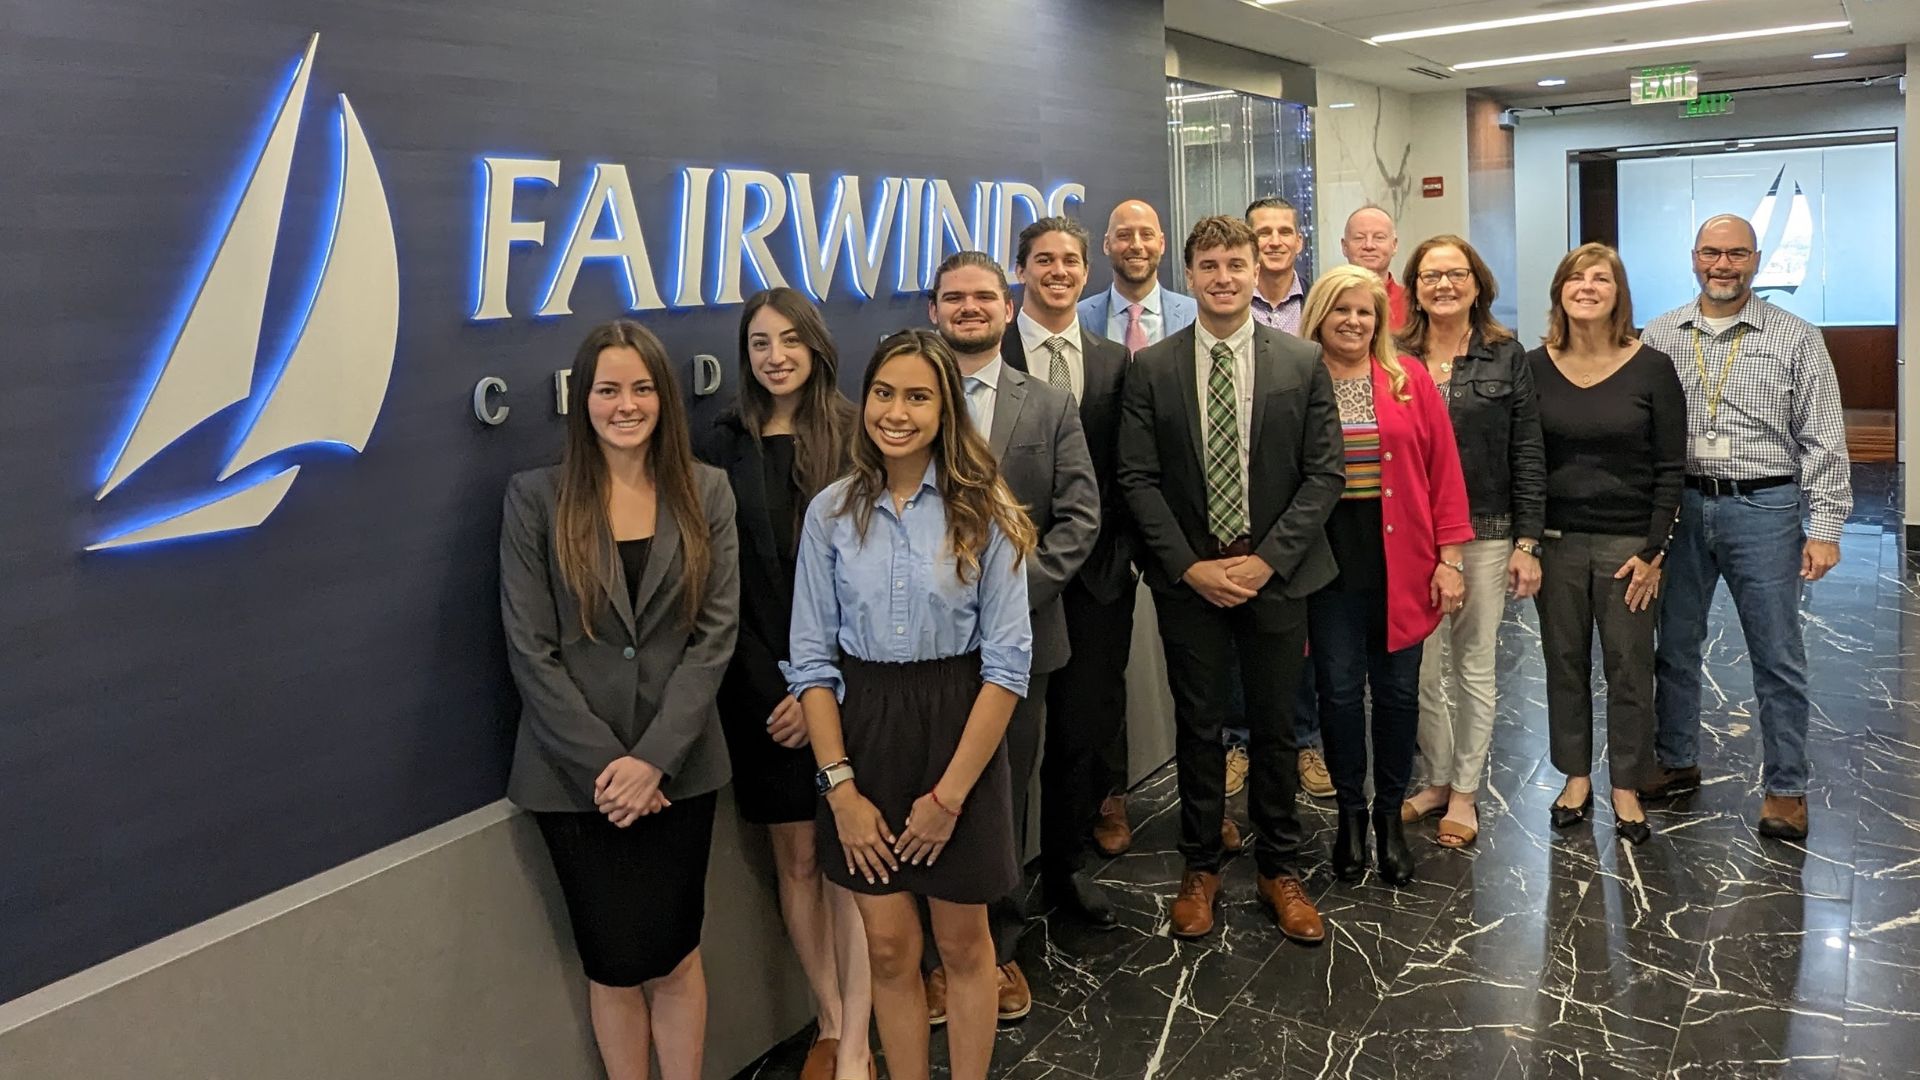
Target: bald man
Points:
x,y
1136,311
1370,241
1766,442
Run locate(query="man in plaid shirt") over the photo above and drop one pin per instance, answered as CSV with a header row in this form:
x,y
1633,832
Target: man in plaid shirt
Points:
x,y
1765,440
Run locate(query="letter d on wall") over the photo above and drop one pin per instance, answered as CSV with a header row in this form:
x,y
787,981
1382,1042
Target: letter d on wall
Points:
x,y
706,374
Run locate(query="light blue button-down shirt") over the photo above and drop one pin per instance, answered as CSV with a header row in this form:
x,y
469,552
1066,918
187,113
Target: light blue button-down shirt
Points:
x,y
896,598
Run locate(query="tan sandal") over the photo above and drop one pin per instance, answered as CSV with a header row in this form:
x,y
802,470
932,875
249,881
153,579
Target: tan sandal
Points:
x,y
1454,834
1410,813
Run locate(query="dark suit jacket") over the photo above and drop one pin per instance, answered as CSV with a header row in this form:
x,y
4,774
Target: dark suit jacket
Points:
x,y
1297,463
644,684
1108,573
753,678
1036,438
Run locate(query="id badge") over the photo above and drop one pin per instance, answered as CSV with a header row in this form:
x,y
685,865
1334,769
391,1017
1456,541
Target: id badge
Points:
x,y
1712,447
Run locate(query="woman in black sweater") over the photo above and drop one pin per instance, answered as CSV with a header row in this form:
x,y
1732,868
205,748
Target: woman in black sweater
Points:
x,y
786,440
1615,423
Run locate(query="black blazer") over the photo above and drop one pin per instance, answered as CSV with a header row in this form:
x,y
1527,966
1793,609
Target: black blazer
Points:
x,y
1297,462
753,682
1108,573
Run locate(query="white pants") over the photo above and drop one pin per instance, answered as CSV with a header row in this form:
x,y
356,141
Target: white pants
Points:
x,y
1457,676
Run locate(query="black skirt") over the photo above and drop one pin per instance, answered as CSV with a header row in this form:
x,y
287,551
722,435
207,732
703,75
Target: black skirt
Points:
x,y
772,784
636,896
902,724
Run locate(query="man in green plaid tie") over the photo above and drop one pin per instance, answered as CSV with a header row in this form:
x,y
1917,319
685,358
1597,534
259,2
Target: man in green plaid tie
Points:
x,y
1230,458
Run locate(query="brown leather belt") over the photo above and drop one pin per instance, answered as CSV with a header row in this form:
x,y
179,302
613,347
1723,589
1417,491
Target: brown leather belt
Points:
x,y
1238,548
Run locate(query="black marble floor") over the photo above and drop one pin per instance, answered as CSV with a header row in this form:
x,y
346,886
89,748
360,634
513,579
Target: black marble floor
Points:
x,y
1709,952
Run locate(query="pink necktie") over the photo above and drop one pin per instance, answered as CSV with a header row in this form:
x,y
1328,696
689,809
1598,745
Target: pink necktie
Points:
x,y
1136,334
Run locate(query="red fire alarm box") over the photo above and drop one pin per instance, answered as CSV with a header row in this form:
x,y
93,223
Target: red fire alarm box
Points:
x,y
1432,187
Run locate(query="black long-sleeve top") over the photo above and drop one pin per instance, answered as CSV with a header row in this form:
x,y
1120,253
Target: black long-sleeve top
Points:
x,y
1616,450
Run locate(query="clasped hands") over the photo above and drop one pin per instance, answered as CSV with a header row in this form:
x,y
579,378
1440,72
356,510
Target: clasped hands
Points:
x,y
627,790
1228,582
873,850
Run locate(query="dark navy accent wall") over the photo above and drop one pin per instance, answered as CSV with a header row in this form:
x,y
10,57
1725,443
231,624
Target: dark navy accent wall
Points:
x,y
188,726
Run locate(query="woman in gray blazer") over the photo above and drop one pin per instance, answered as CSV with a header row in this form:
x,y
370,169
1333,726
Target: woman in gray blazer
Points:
x,y
619,588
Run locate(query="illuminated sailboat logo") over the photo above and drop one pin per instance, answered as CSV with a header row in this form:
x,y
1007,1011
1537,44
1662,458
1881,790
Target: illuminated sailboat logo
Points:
x,y
1791,249
330,383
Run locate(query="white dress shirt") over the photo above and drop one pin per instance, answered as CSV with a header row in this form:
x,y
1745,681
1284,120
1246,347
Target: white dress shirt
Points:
x,y
1152,318
982,388
1040,358
1241,342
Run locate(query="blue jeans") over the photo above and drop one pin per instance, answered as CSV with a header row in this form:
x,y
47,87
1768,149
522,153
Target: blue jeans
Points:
x,y
1348,631
1754,541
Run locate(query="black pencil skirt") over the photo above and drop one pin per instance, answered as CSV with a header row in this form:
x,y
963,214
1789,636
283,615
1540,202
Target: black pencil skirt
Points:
x,y
636,896
902,724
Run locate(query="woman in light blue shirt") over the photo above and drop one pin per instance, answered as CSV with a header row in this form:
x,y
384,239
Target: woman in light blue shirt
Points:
x,y
910,644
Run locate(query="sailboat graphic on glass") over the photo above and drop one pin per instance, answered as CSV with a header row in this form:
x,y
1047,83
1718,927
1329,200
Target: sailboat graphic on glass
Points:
x,y
1790,252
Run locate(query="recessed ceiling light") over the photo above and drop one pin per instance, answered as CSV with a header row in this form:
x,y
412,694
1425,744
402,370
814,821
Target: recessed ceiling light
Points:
x,y
1551,82
1641,46
1341,105
1830,55
1529,20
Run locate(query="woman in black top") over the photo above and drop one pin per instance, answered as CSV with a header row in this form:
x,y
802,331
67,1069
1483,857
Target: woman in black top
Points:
x,y
1484,375
785,441
1615,421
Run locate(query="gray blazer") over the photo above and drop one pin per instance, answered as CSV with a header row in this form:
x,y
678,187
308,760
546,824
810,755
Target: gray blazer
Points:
x,y
1043,456
646,686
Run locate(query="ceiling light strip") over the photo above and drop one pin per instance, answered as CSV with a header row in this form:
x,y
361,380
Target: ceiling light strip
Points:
x,y
1671,43
1529,20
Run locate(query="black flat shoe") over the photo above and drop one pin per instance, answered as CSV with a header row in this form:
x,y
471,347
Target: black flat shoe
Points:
x,y
1633,832
1350,846
1390,839
1076,894
1566,817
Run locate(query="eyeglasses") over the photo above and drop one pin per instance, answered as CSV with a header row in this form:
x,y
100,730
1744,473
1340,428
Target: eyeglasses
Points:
x,y
1458,276
1736,256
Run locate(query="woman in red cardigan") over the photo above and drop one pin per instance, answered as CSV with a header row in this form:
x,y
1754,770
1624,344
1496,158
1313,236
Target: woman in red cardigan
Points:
x,y
1397,534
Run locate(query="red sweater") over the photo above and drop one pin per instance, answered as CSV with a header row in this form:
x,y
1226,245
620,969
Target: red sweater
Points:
x,y
1424,498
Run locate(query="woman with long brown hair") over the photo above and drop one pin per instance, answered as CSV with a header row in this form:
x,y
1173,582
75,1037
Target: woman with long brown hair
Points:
x,y
911,643
1396,536
785,440
1483,374
619,590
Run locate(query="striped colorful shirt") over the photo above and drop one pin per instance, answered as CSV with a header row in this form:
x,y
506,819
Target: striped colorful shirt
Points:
x,y
1360,433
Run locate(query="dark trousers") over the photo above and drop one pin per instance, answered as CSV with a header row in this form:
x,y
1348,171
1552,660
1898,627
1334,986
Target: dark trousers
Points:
x,y
1007,915
1350,657
1086,714
1578,591
1204,644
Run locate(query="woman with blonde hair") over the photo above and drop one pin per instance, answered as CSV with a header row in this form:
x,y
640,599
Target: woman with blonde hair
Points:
x,y
1396,535
911,643
1615,420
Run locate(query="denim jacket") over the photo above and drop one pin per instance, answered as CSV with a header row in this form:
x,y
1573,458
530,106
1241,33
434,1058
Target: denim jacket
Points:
x,y
1496,420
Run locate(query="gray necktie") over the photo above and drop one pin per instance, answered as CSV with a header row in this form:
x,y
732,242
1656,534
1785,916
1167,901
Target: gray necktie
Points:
x,y
1057,372
976,401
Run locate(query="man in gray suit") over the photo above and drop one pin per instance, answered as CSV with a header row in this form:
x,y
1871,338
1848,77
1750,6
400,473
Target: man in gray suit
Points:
x,y
1034,431
1136,310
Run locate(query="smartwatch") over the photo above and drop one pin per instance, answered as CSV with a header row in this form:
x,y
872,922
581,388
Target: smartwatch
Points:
x,y
832,776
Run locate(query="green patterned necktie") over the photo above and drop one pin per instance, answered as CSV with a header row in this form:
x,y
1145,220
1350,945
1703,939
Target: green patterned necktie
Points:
x,y
1226,494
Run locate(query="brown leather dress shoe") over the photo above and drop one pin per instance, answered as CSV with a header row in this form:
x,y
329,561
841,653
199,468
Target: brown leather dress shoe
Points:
x,y
1784,817
937,996
1192,914
1016,999
1230,839
1665,783
1297,916
1111,833
820,1060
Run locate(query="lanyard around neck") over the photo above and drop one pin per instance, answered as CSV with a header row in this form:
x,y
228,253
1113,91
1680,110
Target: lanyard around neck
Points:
x,y
1715,390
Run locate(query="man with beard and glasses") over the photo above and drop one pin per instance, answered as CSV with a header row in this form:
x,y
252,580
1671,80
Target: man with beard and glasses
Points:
x,y
1765,439
1033,429
1086,701
1370,242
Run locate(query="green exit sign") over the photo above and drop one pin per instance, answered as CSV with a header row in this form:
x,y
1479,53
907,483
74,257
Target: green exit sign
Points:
x,y
1708,105
1673,82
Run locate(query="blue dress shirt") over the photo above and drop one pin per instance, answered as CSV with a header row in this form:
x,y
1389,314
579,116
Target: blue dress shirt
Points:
x,y
896,597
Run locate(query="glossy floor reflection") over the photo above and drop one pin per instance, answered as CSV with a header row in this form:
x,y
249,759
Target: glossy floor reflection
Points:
x,y
1710,952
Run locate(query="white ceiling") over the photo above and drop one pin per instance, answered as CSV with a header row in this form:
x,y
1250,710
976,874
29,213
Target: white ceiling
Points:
x,y
1331,35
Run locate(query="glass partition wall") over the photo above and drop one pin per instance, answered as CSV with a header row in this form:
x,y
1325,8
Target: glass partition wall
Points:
x,y
1226,149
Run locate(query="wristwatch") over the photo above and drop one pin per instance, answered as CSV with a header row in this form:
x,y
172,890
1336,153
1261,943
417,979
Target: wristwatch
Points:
x,y
1459,566
1531,547
833,776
